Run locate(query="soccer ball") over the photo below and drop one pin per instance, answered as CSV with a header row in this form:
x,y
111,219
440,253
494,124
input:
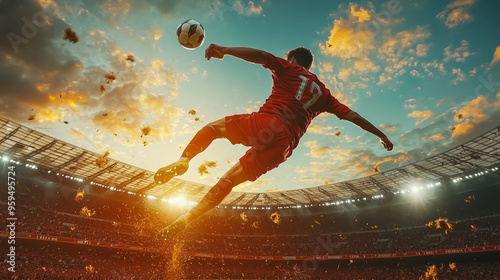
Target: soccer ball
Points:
x,y
191,34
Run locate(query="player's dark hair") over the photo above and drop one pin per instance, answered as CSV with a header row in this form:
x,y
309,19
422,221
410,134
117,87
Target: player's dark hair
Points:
x,y
303,56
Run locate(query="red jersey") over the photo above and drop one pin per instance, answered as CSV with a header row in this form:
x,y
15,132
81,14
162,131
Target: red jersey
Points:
x,y
298,96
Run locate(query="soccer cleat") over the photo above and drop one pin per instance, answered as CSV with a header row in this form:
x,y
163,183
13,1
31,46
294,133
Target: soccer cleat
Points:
x,y
172,230
168,172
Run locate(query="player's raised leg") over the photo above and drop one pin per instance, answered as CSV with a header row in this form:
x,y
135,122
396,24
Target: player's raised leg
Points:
x,y
215,195
198,144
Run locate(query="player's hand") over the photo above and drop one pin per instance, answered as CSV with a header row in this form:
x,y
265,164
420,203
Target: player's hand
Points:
x,y
214,51
387,143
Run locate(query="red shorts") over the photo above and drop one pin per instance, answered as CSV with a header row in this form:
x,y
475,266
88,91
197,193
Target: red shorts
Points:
x,y
266,135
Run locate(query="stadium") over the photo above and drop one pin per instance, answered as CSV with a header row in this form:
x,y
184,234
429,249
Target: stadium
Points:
x,y
390,108
433,219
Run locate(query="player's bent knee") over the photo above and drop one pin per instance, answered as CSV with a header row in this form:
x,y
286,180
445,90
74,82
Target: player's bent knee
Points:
x,y
219,127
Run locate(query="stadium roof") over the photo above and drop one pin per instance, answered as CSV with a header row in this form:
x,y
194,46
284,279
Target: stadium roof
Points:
x,y
32,147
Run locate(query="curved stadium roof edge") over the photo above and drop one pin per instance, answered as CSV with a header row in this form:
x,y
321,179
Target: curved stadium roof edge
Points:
x,y
31,146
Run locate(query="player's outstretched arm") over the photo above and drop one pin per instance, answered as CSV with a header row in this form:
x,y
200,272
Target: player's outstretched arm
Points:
x,y
245,53
358,120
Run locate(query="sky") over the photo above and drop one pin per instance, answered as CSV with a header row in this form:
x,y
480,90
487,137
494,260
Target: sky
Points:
x,y
427,73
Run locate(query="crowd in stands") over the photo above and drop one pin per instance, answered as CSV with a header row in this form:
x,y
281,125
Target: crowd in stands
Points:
x,y
387,229
51,263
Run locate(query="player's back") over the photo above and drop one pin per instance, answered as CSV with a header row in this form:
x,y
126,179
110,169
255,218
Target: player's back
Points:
x,y
297,96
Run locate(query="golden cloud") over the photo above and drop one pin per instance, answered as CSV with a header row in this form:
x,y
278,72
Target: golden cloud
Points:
x,y
496,56
345,41
456,12
421,115
497,103
473,113
362,15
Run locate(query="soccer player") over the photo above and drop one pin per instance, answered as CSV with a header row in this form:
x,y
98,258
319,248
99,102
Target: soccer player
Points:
x,y
271,133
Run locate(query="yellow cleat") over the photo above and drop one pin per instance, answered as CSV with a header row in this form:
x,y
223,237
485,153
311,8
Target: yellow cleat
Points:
x,y
168,172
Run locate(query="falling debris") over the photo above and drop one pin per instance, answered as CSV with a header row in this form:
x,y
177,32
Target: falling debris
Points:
x,y
65,122
469,198
31,117
257,224
374,227
473,227
459,117
453,127
174,266
196,119
203,169
87,212
102,161
441,223
70,35
145,131
130,58
102,89
376,169
431,273
337,133
79,196
110,77
145,143
90,269
452,267
318,223
192,112
276,218
244,217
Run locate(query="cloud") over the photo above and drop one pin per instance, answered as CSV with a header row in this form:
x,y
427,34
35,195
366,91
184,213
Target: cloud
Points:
x,y
496,56
459,54
473,112
497,102
421,115
460,75
394,45
360,161
362,15
389,128
477,116
392,51
456,12
433,65
349,38
60,83
365,65
249,9
77,133
422,50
